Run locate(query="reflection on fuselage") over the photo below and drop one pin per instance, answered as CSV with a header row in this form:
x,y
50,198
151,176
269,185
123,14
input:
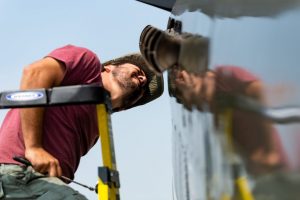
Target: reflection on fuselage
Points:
x,y
249,60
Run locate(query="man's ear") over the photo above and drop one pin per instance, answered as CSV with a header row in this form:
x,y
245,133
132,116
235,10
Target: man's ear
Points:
x,y
108,68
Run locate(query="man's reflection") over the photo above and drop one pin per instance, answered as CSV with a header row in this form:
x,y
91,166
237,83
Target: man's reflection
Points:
x,y
255,138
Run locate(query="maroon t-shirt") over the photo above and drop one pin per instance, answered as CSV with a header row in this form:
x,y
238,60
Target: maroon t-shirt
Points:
x,y
246,126
68,131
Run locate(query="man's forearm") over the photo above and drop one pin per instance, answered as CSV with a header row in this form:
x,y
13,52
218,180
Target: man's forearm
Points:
x,y
32,120
45,73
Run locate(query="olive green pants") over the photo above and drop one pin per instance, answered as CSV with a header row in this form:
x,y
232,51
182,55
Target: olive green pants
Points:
x,y
278,186
18,182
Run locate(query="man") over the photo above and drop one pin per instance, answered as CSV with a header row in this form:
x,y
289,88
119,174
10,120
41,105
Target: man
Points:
x,y
53,139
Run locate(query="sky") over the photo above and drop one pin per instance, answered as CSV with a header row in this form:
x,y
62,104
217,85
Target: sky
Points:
x,y
31,29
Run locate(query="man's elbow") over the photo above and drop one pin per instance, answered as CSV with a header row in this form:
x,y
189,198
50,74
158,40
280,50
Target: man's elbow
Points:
x,y
29,77
255,90
45,73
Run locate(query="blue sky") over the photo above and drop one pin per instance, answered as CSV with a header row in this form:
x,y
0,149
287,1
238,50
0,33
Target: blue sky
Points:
x,y
31,29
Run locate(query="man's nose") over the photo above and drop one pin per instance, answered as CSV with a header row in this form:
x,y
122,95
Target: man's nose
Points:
x,y
142,79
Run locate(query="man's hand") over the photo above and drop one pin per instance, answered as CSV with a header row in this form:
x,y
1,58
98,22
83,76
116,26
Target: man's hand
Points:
x,y
264,162
43,162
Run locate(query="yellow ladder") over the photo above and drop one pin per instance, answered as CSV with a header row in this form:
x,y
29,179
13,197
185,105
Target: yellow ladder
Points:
x,y
108,176
242,189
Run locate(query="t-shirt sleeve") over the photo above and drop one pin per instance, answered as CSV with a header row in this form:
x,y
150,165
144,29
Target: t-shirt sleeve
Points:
x,y
233,79
82,66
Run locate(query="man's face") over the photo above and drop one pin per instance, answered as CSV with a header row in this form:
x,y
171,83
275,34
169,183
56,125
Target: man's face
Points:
x,y
131,80
194,89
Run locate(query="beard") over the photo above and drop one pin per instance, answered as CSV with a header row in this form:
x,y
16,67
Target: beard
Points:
x,y
123,79
131,90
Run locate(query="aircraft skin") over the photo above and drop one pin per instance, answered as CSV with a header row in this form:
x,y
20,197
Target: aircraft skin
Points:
x,y
232,78
165,5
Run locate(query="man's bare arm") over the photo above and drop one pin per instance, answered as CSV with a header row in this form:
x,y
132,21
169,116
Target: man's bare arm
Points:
x,y
44,73
267,155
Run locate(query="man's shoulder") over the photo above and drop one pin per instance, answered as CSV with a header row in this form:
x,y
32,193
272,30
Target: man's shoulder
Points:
x,y
232,71
70,52
229,68
75,48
